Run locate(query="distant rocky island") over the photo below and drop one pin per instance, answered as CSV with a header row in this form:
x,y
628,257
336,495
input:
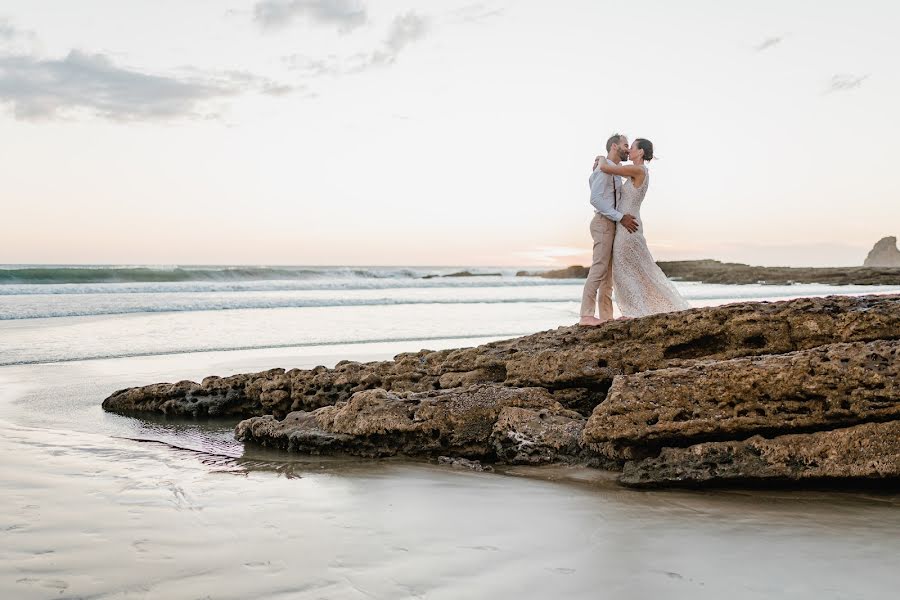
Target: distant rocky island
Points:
x,y
881,267
713,271
803,393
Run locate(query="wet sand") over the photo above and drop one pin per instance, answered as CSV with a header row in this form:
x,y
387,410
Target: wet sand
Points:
x,y
88,512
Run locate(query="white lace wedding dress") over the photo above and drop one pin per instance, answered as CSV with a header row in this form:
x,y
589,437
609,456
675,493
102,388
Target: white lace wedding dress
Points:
x,y
640,287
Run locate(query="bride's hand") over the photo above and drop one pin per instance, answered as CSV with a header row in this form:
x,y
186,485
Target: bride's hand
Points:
x,y
596,162
630,223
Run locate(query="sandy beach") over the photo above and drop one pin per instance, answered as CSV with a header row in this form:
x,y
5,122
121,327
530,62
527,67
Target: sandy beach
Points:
x,y
90,513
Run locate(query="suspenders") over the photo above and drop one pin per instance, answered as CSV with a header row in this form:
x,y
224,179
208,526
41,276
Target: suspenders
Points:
x,y
615,197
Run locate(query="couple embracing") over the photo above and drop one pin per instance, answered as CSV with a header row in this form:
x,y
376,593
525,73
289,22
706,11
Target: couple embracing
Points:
x,y
622,263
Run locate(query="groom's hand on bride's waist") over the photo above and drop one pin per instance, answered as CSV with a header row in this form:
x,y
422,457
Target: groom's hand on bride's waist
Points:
x,y
630,223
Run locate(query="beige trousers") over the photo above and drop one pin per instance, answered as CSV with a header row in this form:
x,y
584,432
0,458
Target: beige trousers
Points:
x,y
599,279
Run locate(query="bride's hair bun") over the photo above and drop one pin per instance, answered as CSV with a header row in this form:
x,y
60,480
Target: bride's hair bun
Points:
x,y
646,146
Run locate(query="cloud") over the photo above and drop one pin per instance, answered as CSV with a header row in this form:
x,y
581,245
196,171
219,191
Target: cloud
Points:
x,y
249,82
475,13
345,14
769,42
7,31
10,35
44,89
316,67
843,83
404,31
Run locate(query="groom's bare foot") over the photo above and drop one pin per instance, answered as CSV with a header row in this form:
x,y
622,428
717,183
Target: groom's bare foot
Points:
x,y
590,321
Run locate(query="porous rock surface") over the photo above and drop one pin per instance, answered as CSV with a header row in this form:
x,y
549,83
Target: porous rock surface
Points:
x,y
822,388
485,422
638,390
868,452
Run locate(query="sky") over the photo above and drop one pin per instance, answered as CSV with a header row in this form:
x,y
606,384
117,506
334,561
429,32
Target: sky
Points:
x,y
392,132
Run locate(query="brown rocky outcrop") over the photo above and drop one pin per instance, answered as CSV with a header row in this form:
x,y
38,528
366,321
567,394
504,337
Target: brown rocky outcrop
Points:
x,y
828,387
515,425
665,388
713,271
864,453
577,364
884,254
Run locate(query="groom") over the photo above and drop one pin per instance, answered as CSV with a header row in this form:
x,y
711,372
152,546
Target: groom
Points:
x,y
606,190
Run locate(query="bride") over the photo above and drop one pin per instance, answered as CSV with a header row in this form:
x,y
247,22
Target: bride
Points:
x,y
640,287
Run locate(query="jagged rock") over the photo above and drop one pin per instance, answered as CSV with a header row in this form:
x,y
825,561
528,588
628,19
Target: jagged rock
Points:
x,y
571,357
475,423
884,254
714,271
823,388
865,452
464,463
529,436
576,364
573,272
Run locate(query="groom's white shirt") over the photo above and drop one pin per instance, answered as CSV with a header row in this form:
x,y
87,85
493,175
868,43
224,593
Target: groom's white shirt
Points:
x,y
602,193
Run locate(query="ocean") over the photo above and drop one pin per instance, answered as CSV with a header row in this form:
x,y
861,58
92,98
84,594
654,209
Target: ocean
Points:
x,y
78,313
97,505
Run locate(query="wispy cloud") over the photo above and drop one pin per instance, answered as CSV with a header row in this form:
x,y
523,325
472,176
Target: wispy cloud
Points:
x,y
844,82
316,67
42,89
475,13
344,14
769,43
404,31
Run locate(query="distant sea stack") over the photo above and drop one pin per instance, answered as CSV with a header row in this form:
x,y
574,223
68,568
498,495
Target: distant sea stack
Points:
x,y
884,254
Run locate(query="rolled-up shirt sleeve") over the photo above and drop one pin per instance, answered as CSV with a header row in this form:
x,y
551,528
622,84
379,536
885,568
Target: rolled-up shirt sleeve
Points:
x,y
608,211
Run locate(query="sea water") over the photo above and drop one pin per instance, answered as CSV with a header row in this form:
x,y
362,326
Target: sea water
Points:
x,y
240,308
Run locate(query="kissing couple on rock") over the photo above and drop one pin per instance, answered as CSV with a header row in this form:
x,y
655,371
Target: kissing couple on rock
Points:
x,y
622,264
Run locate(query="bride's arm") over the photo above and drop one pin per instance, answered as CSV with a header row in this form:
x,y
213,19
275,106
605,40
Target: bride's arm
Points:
x,y
623,170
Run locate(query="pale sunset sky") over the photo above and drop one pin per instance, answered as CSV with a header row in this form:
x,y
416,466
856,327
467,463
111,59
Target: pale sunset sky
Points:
x,y
391,132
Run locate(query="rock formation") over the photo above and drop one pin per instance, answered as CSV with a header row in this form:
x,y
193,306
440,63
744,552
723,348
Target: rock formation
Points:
x,y
831,386
884,254
664,388
513,425
713,271
865,453
573,272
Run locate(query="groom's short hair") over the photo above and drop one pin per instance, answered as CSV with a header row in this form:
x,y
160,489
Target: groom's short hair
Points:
x,y
615,139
